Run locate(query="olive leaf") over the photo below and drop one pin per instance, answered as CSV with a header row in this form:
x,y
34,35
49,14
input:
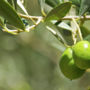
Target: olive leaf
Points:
x,y
22,7
76,2
84,7
1,21
13,3
41,3
53,3
65,30
64,26
7,12
58,12
53,28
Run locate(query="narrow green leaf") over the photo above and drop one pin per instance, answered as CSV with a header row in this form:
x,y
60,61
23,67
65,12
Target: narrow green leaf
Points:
x,y
7,12
13,3
22,7
1,21
53,28
58,12
76,2
53,3
10,1
64,26
41,3
84,7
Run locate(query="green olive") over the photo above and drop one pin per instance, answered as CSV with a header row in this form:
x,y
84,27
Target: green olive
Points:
x,y
67,66
81,54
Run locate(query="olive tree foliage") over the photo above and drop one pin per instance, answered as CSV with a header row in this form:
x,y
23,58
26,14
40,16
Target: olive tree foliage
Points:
x,y
66,20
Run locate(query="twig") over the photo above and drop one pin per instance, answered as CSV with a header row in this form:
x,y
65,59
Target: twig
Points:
x,y
65,18
29,17
76,17
40,18
78,28
33,26
74,34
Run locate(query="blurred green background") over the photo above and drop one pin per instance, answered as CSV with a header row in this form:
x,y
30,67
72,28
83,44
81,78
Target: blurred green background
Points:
x,y
29,61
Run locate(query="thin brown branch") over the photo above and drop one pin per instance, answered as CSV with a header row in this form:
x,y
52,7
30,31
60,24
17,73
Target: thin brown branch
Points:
x,y
76,17
65,18
28,17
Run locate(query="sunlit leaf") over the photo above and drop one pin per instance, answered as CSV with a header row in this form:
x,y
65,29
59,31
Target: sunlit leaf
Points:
x,y
7,12
64,26
58,12
22,7
53,29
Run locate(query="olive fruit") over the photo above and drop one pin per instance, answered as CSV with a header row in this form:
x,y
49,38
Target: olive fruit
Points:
x,y
81,54
67,66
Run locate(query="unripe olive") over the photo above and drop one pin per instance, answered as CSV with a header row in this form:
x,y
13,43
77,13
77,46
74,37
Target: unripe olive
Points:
x,y
67,66
81,54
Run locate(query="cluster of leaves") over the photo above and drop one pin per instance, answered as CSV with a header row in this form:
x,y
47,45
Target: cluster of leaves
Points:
x,y
8,13
83,6
57,9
